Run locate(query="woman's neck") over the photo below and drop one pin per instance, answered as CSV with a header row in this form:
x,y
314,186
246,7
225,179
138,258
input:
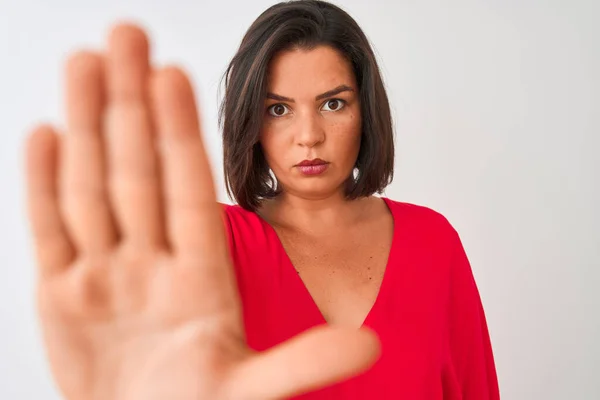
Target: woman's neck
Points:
x,y
315,215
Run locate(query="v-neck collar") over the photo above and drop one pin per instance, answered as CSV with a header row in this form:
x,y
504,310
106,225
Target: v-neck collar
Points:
x,y
299,288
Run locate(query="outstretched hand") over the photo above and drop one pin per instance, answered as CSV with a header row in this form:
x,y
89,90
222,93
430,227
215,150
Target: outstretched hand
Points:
x,y
137,295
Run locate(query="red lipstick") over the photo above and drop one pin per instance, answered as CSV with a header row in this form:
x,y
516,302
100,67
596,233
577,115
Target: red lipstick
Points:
x,y
312,167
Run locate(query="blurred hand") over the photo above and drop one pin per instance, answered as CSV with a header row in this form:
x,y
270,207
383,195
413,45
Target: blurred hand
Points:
x,y
137,295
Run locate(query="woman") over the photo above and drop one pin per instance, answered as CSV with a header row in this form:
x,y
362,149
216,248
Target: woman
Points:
x,y
310,286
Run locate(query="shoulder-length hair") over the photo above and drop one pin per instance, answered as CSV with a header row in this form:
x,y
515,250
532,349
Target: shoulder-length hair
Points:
x,y
300,24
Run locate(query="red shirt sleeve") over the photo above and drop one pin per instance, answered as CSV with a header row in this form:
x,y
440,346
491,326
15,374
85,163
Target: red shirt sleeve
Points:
x,y
470,343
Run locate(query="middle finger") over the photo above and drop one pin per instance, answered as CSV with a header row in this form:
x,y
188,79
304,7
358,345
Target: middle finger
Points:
x,y
134,180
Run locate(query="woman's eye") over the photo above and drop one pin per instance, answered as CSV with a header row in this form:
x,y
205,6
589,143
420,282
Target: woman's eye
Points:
x,y
333,105
278,110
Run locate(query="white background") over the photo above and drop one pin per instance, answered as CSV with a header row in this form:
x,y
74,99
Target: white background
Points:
x,y
498,116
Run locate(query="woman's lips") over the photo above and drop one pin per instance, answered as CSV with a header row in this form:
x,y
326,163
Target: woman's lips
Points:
x,y
312,170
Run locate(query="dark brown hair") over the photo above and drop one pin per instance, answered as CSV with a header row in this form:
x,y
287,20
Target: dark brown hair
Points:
x,y
306,25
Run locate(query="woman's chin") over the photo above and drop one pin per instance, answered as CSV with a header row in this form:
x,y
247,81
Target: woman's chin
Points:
x,y
315,189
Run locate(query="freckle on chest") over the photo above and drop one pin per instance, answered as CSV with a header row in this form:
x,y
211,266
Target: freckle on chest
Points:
x,y
343,276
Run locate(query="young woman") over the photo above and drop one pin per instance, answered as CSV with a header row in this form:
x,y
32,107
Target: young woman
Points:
x,y
310,286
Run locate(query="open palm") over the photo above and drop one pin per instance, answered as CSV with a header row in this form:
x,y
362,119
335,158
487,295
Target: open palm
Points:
x,y
136,293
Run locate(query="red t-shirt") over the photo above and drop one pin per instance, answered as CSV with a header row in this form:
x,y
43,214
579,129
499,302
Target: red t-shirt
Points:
x,y
428,313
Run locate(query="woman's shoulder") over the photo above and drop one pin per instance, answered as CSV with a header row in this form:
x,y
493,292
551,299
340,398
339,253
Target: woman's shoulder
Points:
x,y
419,216
240,218
233,209
423,227
249,236
244,224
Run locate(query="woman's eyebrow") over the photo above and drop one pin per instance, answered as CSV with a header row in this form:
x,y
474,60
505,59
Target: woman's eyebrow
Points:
x,y
333,92
329,93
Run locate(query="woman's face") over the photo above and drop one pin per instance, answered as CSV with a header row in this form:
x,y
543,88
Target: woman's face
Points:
x,y
312,124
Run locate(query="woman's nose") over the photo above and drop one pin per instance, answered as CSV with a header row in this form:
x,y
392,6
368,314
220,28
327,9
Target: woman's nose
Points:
x,y
310,130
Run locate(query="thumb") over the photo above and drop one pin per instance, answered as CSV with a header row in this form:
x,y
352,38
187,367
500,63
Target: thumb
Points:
x,y
314,359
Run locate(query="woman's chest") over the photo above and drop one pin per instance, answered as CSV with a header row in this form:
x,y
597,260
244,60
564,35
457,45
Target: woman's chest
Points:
x,y
342,273
408,317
